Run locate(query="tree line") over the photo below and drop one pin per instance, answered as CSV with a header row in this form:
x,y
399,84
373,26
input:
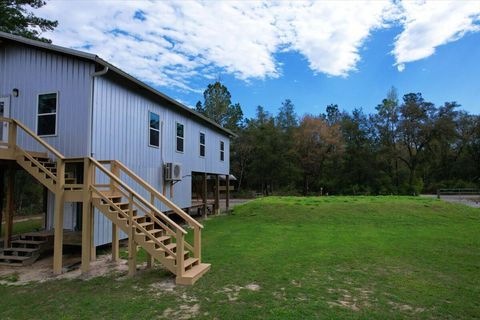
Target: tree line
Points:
x,y
407,146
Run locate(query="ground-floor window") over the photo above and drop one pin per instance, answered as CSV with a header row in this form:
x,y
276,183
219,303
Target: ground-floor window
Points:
x,y
47,114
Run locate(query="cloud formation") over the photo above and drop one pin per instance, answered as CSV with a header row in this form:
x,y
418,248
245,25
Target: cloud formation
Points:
x,y
428,25
172,43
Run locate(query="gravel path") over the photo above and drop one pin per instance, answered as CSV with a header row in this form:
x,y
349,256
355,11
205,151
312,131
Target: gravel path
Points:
x,y
469,200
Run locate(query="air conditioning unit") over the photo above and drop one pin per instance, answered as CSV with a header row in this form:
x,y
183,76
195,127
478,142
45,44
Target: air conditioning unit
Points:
x,y
172,171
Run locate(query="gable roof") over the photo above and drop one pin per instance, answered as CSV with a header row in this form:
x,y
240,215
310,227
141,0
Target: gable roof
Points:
x,y
96,59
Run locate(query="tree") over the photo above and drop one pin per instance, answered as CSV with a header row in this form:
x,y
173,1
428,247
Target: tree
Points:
x,y
359,169
15,18
386,123
415,131
315,141
218,106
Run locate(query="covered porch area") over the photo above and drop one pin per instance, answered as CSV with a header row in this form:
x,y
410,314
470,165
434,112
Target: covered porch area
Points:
x,y
210,193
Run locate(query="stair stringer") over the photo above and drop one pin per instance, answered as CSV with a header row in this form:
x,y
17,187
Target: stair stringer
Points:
x,y
140,238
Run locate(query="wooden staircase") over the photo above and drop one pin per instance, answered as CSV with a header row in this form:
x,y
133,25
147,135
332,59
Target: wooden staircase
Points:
x,y
26,249
146,225
151,236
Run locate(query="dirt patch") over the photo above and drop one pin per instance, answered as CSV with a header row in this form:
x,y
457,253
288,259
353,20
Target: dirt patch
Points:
x,y
163,286
183,312
355,300
41,270
405,307
232,292
296,283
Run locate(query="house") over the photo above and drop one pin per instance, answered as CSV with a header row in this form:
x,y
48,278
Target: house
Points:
x,y
114,154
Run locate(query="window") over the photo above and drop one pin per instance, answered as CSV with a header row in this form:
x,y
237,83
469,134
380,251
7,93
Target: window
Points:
x,y
222,151
180,137
202,144
47,114
154,130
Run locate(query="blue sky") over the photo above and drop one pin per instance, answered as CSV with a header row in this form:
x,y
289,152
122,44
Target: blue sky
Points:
x,y
451,74
312,52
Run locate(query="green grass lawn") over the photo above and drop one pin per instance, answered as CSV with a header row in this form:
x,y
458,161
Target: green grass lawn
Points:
x,y
24,226
297,258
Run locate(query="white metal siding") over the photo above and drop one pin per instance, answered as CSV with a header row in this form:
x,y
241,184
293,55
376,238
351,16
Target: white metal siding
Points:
x,y
121,132
33,72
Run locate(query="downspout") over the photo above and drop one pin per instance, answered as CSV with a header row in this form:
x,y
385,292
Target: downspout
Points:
x,y
92,98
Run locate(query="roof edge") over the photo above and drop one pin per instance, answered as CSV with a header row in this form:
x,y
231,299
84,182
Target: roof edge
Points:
x,y
97,59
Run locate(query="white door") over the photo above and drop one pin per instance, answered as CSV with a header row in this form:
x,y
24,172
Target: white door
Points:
x,y
4,112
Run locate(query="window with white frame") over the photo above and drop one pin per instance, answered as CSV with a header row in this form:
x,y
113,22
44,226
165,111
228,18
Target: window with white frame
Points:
x,y
222,151
154,130
47,114
202,144
180,137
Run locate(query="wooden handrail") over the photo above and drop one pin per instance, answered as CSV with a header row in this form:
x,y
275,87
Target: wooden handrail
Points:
x,y
135,194
32,134
38,164
191,221
137,225
154,218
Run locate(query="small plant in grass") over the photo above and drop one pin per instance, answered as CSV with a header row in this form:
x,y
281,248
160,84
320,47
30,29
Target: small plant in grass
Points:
x,y
13,277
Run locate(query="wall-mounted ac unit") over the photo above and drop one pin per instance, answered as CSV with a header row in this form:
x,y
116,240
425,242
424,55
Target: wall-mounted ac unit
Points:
x,y
172,171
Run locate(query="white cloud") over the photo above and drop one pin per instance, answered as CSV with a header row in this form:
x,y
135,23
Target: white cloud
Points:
x,y
428,25
172,43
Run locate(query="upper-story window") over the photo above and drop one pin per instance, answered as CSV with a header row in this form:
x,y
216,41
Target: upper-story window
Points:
x,y
222,151
154,130
180,137
47,114
202,144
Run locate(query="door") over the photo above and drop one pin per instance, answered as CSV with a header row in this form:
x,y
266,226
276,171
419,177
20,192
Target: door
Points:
x,y
4,112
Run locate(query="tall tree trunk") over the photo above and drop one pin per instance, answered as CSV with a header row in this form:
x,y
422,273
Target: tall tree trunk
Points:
x,y
305,184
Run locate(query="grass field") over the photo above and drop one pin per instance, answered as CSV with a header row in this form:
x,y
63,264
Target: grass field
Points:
x,y
296,258
24,226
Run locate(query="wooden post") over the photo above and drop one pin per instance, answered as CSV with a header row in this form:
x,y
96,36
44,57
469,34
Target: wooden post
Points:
x,y
132,246
217,194
180,254
2,194
45,208
205,194
115,237
149,256
10,206
227,197
197,235
86,216
58,218
93,249
115,243
12,136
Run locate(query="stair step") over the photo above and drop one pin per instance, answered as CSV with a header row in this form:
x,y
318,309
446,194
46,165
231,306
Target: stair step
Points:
x,y
155,231
190,261
122,204
161,239
10,257
146,224
171,246
192,275
37,242
26,250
